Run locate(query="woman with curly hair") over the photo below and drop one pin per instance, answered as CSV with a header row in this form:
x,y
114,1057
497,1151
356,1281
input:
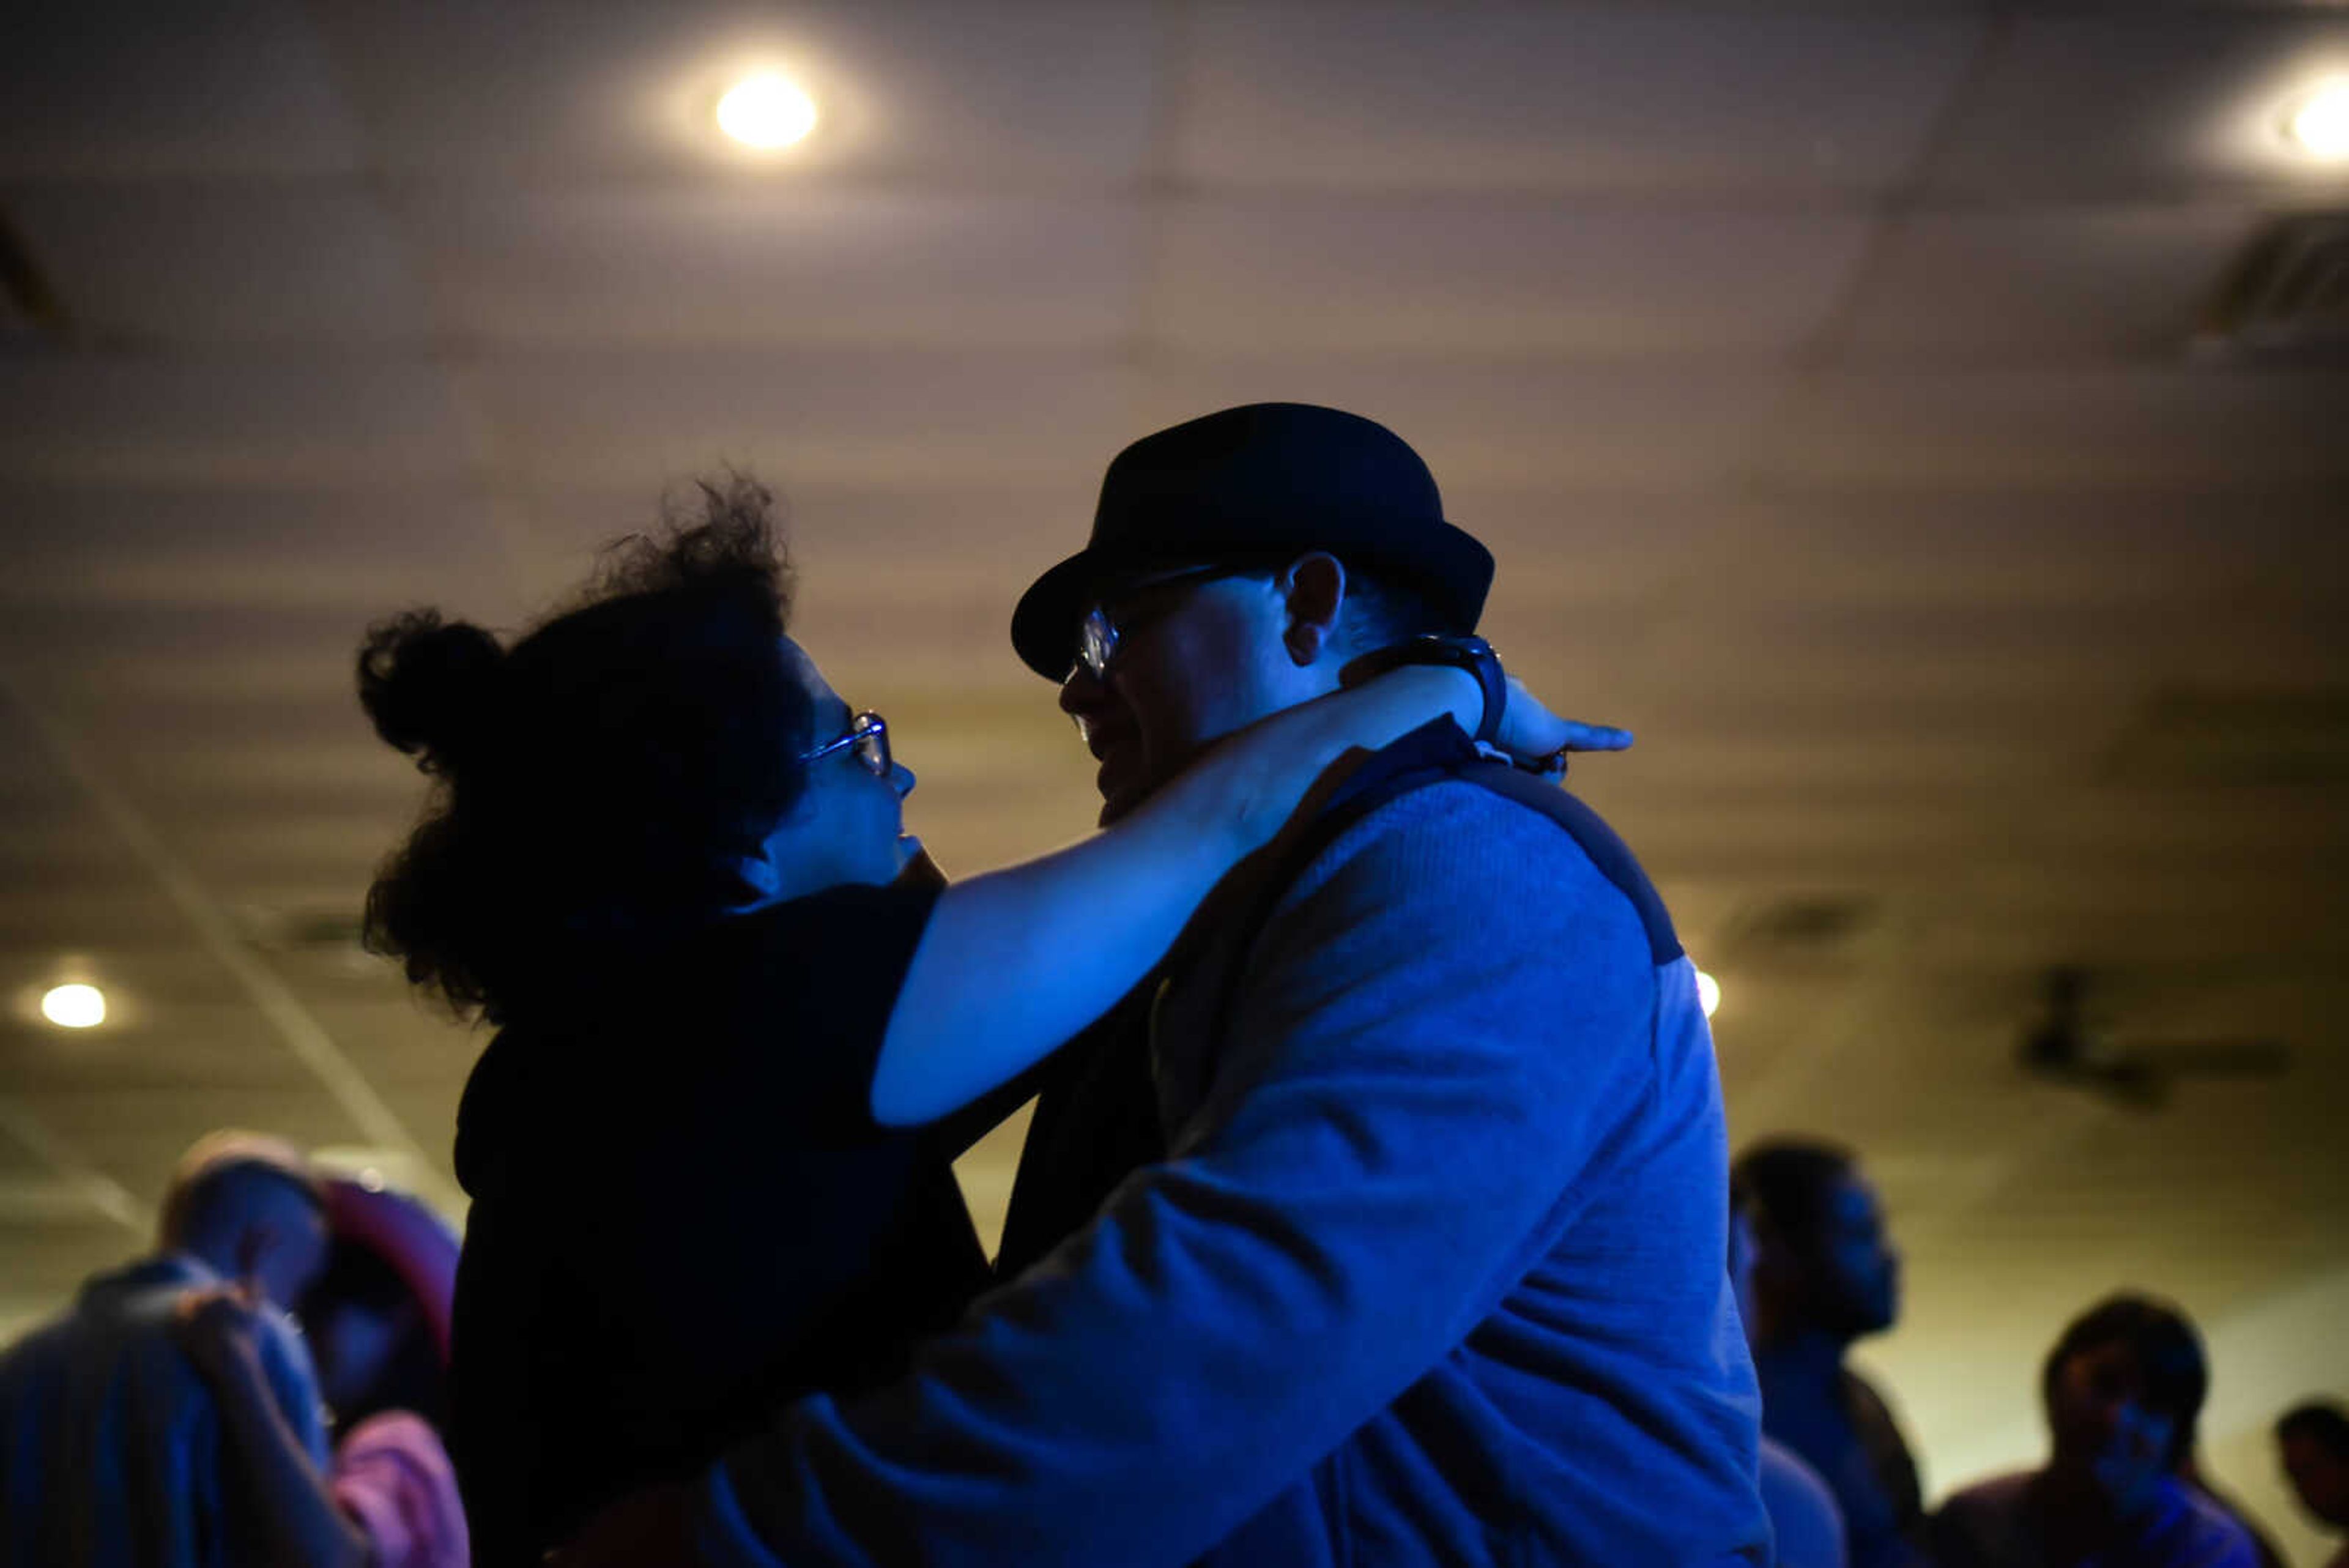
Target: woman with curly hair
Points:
x,y
707,1148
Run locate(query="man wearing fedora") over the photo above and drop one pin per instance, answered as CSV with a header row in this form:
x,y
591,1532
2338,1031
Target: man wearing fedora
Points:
x,y
1382,1225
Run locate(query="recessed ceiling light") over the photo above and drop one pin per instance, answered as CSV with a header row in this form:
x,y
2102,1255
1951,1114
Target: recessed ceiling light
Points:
x,y
73,1006
2320,122
766,111
1708,993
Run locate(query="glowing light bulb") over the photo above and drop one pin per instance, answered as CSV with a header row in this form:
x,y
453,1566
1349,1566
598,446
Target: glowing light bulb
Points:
x,y
2320,122
1708,993
766,112
73,1006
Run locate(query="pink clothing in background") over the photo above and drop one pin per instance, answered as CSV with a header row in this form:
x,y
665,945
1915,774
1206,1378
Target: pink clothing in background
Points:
x,y
393,1477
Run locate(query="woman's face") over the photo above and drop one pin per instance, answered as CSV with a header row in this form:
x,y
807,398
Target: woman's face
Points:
x,y
351,1349
2103,1426
848,823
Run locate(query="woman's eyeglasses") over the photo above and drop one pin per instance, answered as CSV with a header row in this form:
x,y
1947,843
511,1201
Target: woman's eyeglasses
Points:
x,y
868,735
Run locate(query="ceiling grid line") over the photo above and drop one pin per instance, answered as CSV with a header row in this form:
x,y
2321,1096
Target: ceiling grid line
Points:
x,y
295,1025
1826,343
444,349
101,1191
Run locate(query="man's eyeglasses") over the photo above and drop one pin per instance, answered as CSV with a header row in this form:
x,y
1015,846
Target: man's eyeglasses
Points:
x,y
1138,604
868,734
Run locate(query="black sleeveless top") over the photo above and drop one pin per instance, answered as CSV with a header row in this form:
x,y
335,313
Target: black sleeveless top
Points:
x,y
684,1214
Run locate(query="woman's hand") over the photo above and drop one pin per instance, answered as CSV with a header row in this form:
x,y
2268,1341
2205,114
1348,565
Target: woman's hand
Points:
x,y
1537,738
218,1327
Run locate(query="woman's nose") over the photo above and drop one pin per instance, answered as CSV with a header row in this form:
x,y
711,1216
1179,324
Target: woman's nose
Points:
x,y
902,777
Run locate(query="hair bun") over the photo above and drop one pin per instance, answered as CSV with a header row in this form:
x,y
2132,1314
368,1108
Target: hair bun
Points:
x,y
429,685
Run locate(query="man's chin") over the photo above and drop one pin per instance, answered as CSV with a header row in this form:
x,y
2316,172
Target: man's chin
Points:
x,y
1117,804
1123,785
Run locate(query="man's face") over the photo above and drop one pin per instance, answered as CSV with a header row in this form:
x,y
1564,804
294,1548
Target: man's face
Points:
x,y
2101,1423
2320,1477
1195,661
281,1246
1856,1271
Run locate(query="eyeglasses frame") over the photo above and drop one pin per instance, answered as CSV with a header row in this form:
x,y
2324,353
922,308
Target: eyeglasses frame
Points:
x,y
1099,632
866,727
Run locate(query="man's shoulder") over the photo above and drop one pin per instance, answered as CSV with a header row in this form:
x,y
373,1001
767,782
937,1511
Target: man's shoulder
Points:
x,y
1484,835
2205,1535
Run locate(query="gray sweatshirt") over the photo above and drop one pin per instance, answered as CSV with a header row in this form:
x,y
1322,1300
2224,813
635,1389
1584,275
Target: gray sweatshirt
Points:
x,y
1434,1274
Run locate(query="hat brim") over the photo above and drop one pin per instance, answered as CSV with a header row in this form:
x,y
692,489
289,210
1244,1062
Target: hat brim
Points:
x,y
1044,622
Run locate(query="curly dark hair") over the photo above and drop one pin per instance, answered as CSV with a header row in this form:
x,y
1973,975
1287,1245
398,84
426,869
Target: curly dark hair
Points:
x,y
598,782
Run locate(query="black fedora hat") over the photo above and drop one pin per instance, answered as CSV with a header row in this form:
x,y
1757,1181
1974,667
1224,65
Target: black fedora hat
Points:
x,y
1260,479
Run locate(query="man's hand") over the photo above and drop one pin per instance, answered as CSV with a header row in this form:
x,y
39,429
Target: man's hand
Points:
x,y
1537,738
648,1529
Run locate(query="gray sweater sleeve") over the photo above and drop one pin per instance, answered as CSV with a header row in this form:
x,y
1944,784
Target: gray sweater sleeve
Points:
x,y
1445,1017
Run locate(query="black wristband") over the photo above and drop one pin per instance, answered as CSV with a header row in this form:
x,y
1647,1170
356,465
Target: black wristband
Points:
x,y
1471,653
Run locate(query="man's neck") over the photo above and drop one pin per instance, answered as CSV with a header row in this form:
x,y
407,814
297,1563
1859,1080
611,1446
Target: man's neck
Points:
x,y
1810,1352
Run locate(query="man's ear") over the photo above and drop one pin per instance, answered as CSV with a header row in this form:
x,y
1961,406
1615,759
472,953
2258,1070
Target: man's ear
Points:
x,y
1314,587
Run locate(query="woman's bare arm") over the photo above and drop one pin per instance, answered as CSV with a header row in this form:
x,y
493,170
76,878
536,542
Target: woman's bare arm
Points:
x,y
280,1486
1017,960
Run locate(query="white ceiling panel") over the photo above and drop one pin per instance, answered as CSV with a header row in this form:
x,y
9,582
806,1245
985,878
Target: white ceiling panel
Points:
x,y
368,550
743,264
222,262
2070,430
2049,552
1491,95
878,417
1039,91
255,422
1503,278
1560,552
2117,104
1494,423
151,87
2048,286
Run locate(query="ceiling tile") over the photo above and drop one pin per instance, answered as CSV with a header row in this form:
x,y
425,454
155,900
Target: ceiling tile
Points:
x,y
737,264
1503,425
2070,430
257,422
141,89
361,552
1500,277
1059,90
218,262
797,415
2043,285
1491,95
2117,104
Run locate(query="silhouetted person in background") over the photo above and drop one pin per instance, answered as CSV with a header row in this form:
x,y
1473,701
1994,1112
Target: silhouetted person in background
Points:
x,y
1823,1276
1802,1512
2313,1440
2122,1390
379,1319
111,1441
